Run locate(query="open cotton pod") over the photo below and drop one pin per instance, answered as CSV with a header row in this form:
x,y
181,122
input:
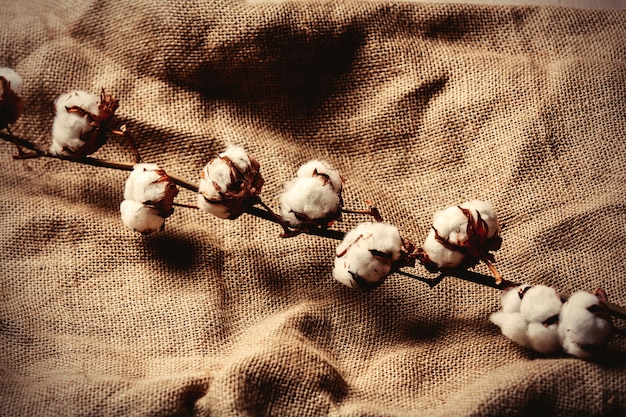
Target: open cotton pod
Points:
x,y
148,199
229,183
461,236
367,254
80,123
313,197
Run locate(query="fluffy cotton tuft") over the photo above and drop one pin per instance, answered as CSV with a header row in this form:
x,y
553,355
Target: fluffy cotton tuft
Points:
x,y
69,128
313,198
366,255
148,199
229,183
584,326
532,321
461,236
484,211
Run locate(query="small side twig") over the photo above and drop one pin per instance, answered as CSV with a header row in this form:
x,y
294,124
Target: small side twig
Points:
x,y
372,211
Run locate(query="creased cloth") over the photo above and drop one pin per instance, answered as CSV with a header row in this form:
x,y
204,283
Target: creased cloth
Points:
x,y
419,106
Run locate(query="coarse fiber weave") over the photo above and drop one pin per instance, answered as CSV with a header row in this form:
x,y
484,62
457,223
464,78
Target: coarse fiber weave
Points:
x,y
419,106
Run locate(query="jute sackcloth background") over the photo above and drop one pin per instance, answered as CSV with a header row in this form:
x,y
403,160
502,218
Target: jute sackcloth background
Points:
x,y
419,106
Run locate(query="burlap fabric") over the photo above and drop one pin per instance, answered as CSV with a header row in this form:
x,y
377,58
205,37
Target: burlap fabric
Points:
x,y
419,106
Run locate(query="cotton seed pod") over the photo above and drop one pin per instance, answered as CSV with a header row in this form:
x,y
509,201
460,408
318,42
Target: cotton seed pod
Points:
x,y
313,198
530,317
229,183
148,199
367,254
80,123
10,102
584,326
461,236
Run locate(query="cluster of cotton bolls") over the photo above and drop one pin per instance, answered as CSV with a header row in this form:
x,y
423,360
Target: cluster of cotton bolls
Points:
x,y
313,197
148,199
229,183
536,318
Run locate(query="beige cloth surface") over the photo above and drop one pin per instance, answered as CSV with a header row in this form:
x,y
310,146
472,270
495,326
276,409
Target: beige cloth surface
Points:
x,y
419,106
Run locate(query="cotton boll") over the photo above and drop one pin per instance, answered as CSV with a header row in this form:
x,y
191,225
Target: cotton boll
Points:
x,y
141,218
149,185
584,326
229,183
148,198
462,236
309,201
529,317
365,256
540,307
451,225
360,268
13,79
383,237
238,156
215,208
313,198
215,179
219,173
513,326
69,128
140,181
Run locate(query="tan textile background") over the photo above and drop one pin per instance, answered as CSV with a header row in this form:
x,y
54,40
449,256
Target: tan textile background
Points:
x,y
419,106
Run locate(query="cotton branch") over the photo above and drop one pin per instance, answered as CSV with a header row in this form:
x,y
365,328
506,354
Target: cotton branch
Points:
x,y
264,212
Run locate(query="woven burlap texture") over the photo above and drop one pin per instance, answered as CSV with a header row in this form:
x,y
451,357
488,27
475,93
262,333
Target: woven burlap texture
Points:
x,y
419,107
